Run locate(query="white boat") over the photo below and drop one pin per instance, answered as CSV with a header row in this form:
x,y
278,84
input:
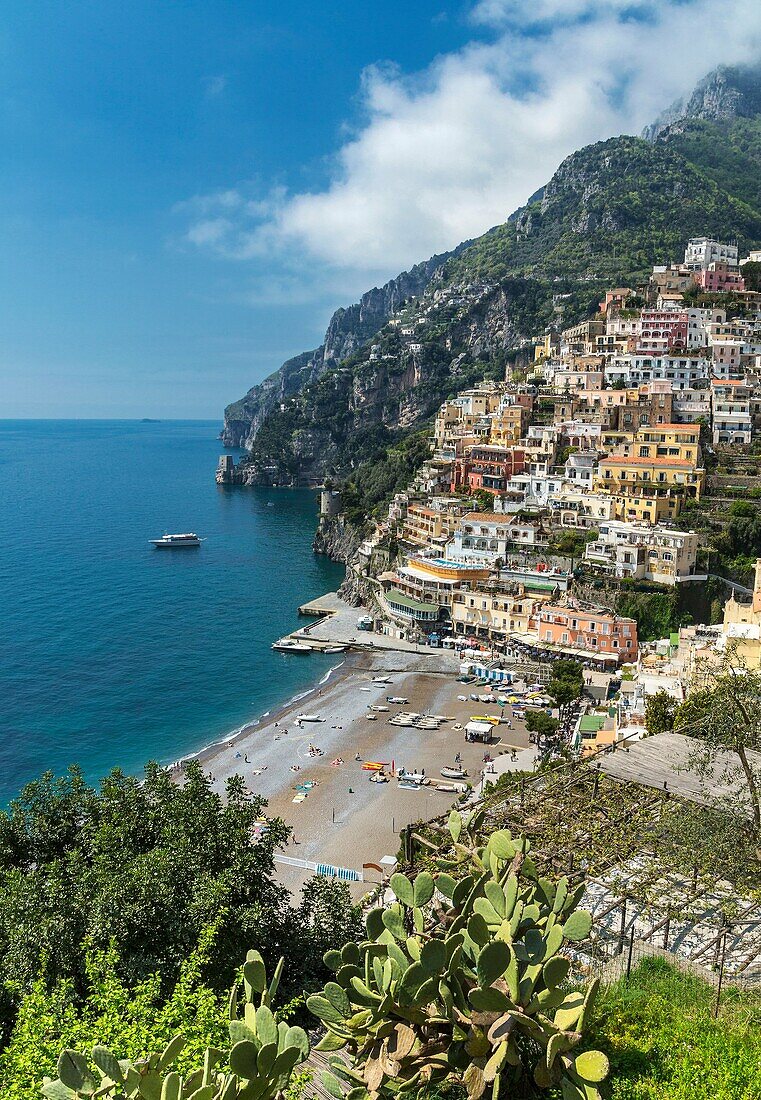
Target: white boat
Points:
x,y
382,680
289,645
452,788
371,717
453,773
334,649
309,718
420,778
177,542
396,699
379,707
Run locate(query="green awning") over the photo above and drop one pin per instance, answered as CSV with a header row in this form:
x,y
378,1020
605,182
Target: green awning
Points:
x,y
592,723
674,638
394,596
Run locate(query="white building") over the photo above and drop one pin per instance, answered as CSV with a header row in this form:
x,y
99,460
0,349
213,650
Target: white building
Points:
x,y
690,405
660,554
702,251
634,370
482,537
732,419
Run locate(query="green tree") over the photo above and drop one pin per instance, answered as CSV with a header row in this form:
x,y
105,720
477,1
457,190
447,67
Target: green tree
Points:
x,y
660,711
145,867
723,715
484,500
541,723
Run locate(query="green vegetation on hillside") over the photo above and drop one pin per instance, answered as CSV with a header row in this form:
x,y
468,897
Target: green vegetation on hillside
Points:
x,y
729,153
663,1043
612,210
144,870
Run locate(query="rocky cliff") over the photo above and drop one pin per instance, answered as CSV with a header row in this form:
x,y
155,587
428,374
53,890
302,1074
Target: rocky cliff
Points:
x,y
726,93
348,330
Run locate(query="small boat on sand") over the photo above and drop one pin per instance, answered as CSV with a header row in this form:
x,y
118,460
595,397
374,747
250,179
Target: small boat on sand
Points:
x,y
289,645
452,788
371,717
396,699
309,718
453,773
382,680
334,649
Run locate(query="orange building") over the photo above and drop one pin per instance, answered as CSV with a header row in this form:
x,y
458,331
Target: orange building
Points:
x,y
488,468
600,633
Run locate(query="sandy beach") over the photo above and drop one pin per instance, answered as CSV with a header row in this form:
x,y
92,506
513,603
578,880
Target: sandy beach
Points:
x,y
345,820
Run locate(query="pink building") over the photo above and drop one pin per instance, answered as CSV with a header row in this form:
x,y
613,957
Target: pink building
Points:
x,y
662,330
599,633
719,277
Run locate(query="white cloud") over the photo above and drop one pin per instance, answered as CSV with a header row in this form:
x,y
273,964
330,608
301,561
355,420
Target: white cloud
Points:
x,y
448,152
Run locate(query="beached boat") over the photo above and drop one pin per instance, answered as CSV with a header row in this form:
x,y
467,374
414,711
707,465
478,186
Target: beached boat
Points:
x,y
371,717
309,718
414,777
177,542
378,707
334,649
453,773
288,645
452,788
396,699
378,777
382,680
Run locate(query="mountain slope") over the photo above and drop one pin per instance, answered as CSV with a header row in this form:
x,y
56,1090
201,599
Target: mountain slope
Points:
x,y
347,330
608,214
611,210
725,94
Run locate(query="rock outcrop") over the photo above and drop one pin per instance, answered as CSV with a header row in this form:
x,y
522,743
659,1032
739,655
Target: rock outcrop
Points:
x,y
722,95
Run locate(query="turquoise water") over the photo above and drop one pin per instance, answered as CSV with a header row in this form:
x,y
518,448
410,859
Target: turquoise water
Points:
x,y
111,652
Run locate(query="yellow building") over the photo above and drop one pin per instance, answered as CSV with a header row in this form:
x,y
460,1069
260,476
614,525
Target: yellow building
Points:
x,y
742,624
494,613
509,425
646,508
680,441
545,346
423,525
638,475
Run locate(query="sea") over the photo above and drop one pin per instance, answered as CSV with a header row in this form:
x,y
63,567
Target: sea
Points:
x,y
113,653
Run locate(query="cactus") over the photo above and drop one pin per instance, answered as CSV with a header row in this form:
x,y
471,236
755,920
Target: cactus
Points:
x,y
263,1054
461,980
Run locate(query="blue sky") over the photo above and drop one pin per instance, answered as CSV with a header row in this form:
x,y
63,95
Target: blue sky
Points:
x,y
189,189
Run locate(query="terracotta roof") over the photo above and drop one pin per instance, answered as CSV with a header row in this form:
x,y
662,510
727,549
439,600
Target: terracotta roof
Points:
x,y
623,460
668,428
506,518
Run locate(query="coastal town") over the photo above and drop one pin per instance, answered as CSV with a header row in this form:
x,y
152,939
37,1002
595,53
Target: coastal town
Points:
x,y
545,495
478,633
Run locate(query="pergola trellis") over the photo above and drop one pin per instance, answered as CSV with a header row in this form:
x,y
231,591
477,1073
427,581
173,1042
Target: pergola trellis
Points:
x,y
603,829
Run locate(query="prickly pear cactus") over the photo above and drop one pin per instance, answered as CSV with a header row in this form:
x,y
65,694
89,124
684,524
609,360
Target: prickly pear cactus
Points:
x,y
263,1055
463,980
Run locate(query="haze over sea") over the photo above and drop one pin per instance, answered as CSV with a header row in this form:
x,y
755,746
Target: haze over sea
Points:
x,y
112,652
